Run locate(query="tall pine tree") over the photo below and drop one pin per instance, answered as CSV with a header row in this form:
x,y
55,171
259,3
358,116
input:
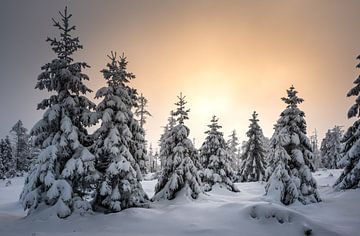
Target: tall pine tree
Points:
x,y
253,159
216,160
179,173
289,170
119,186
64,168
350,177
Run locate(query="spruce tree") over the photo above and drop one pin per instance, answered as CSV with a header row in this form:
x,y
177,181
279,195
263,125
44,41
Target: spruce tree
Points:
x,y
163,154
64,169
216,160
289,177
350,177
317,155
22,147
119,186
253,159
7,159
331,148
152,161
233,149
141,112
179,173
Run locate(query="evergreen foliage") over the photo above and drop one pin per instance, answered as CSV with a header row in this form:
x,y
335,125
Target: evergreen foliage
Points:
x,y
253,159
7,160
350,177
331,148
64,169
119,186
22,147
216,160
179,173
289,177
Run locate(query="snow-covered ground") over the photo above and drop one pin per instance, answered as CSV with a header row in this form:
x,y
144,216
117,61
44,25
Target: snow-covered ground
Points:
x,y
218,213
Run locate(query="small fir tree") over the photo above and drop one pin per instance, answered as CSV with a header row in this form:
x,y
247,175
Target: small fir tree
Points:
x,y
233,149
179,173
289,177
7,159
22,149
216,160
141,111
253,159
164,136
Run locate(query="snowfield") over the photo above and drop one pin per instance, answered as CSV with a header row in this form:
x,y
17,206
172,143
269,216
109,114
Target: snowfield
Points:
x,y
219,213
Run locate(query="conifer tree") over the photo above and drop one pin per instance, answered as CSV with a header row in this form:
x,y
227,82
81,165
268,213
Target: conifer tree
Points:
x,y
317,155
119,186
289,178
162,142
7,159
22,147
216,160
350,177
179,172
331,148
156,161
253,159
233,149
64,169
141,112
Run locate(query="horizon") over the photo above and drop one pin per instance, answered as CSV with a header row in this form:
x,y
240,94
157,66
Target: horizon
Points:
x,y
215,54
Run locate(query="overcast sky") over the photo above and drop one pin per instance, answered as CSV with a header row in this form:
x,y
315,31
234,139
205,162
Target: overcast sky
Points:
x,y
228,57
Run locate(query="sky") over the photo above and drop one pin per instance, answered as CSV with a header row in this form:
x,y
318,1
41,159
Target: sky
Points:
x,y
228,58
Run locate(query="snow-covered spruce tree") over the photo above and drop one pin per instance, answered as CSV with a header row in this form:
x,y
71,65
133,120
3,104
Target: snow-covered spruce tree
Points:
x,y
22,147
216,160
350,177
141,111
179,172
289,176
119,186
137,146
7,159
317,155
62,174
331,148
253,159
233,149
162,142
152,165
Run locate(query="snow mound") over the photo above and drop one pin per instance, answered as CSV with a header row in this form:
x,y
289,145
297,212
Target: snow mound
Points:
x,y
273,214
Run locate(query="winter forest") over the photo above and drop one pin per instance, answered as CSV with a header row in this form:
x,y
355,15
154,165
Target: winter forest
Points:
x,y
88,168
